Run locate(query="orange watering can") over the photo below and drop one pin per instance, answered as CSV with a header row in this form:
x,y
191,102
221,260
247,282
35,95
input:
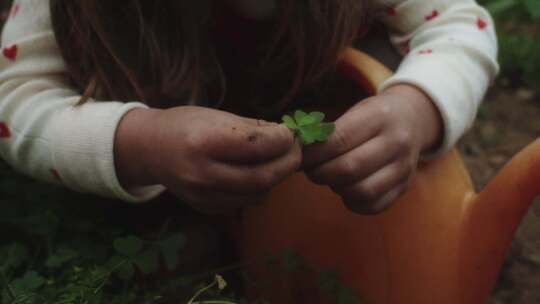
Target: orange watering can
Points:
x,y
440,243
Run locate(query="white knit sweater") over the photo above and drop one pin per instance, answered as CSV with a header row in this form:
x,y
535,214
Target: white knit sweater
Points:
x,y
449,49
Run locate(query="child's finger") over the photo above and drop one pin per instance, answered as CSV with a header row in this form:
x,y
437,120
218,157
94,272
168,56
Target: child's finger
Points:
x,y
373,188
253,144
352,129
255,178
382,204
354,165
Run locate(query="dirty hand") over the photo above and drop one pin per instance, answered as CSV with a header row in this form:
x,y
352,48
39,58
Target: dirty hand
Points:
x,y
217,161
372,154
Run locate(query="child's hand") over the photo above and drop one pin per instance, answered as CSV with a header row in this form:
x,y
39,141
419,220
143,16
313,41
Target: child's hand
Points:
x,y
217,161
376,146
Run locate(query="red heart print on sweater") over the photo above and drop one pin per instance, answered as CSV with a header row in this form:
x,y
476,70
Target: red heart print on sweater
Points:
x,y
405,46
4,130
482,24
433,15
10,52
55,174
391,11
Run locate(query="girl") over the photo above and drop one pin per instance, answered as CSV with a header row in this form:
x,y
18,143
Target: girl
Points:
x,y
127,98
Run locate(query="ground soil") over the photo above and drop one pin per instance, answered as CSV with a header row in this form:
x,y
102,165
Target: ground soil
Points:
x,y
508,121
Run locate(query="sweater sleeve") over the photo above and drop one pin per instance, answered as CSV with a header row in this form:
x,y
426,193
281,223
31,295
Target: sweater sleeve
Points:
x,y
450,51
42,133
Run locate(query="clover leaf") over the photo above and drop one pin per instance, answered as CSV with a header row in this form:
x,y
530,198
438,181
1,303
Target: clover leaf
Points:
x,y
31,281
310,128
148,261
129,246
61,257
170,248
289,122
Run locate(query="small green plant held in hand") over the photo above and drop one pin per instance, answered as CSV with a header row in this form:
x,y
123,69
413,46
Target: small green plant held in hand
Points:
x,y
310,128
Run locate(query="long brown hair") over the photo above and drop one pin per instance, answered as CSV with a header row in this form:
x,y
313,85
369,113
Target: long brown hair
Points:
x,y
162,50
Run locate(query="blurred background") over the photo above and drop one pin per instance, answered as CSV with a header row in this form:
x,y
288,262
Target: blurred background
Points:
x,y
508,120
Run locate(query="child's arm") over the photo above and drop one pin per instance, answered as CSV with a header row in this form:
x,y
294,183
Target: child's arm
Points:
x,y
43,134
213,160
450,49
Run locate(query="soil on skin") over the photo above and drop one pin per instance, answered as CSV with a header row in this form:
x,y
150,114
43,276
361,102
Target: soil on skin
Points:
x,y
508,121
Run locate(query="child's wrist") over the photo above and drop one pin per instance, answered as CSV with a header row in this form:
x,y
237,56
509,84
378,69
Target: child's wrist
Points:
x,y
134,148
427,118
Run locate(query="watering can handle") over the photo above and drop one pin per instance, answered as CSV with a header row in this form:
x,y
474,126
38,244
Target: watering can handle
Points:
x,y
364,70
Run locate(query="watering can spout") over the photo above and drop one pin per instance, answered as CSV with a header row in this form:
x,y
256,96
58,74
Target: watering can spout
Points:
x,y
492,217
510,193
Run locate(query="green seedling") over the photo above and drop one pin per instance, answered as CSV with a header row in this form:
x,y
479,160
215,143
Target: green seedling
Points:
x,y
309,128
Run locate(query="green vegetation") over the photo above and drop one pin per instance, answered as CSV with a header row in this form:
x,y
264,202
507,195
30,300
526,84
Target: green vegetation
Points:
x,y
518,26
60,247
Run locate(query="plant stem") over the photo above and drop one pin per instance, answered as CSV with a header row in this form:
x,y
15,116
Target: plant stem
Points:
x,y
224,269
198,293
106,276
